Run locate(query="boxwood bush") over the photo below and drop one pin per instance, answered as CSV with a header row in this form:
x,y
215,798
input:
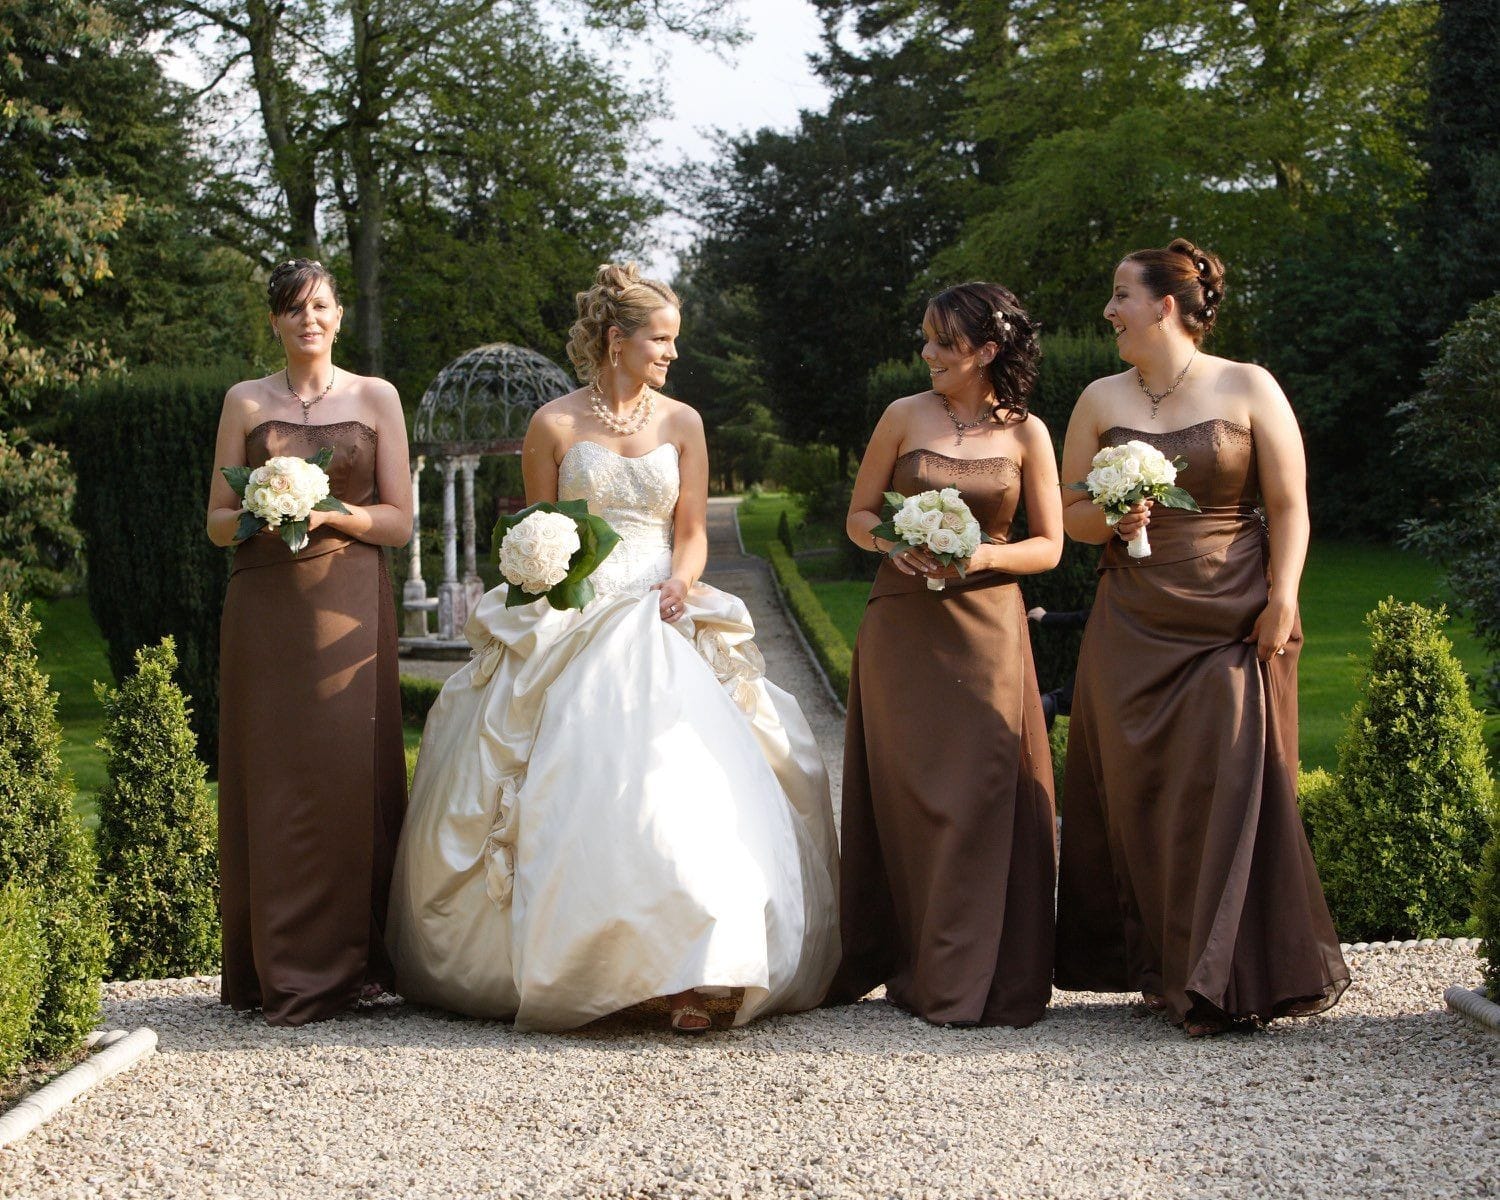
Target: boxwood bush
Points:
x,y
158,837
43,847
827,643
1398,833
22,973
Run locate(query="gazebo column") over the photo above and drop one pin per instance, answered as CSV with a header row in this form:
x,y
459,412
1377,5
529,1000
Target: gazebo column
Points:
x,y
414,600
453,609
473,585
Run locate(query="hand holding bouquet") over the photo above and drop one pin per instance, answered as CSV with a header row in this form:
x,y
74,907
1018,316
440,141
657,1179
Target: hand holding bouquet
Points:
x,y
1125,475
938,521
550,550
282,494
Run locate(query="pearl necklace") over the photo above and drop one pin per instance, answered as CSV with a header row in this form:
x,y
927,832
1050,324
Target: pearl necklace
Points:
x,y
307,404
961,427
1158,397
624,426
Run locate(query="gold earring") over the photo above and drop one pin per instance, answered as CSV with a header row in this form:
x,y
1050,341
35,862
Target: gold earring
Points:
x,y
1160,317
614,359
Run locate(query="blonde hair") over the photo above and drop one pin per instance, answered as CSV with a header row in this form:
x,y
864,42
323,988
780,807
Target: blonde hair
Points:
x,y
619,297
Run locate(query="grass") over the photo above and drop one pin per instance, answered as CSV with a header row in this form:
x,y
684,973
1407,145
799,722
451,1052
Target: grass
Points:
x,y
1343,581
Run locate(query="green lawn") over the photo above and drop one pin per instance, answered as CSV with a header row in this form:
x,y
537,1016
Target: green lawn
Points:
x,y
71,652
1342,583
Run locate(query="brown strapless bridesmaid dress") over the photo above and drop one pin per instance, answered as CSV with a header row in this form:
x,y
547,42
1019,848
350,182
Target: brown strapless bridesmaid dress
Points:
x,y
312,776
1185,871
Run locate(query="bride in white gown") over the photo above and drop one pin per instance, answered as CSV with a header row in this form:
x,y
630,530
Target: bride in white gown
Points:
x,y
615,804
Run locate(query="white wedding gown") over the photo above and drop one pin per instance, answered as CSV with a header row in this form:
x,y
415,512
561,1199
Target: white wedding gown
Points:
x,y
608,808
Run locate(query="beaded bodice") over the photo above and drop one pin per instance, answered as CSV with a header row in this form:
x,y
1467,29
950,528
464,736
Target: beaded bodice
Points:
x,y
638,497
989,486
1220,455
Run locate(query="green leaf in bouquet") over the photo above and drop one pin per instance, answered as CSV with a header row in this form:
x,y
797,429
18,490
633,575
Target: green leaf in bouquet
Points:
x,y
515,597
322,458
294,534
249,526
571,594
895,500
329,504
1076,487
886,530
1176,497
239,479
1179,463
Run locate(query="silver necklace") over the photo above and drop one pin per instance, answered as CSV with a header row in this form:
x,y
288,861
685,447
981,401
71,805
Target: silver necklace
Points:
x,y
961,427
1158,397
625,426
307,404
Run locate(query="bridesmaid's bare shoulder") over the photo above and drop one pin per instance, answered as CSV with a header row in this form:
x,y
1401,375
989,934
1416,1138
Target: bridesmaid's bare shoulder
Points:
x,y
249,402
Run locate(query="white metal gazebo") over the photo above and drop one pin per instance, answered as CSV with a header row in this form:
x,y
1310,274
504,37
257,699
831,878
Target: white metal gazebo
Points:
x,y
478,405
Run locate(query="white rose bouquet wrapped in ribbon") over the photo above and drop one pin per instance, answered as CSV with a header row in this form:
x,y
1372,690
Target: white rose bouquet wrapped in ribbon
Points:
x,y
938,521
550,550
1129,473
281,494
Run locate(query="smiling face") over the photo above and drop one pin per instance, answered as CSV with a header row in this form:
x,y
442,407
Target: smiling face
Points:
x,y
647,353
1133,311
954,366
308,325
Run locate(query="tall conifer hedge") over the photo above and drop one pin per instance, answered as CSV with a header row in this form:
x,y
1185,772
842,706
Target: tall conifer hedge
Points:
x,y
143,446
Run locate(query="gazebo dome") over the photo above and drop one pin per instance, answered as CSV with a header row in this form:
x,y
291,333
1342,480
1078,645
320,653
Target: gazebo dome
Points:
x,y
481,401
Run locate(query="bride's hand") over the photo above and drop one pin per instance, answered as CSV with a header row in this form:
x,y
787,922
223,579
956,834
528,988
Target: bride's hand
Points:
x,y
671,599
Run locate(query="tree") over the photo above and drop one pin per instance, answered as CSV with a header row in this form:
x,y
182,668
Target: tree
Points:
x,y
56,222
1461,209
347,93
41,550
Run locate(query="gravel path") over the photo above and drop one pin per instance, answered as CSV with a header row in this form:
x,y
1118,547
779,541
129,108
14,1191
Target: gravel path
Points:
x,y
1387,1095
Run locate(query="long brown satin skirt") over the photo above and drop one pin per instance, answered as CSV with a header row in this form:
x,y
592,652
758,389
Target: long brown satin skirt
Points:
x,y
1185,870
312,778
948,827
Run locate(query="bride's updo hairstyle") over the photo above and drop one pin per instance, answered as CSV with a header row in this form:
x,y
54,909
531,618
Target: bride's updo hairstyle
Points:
x,y
619,297
293,281
1191,275
969,314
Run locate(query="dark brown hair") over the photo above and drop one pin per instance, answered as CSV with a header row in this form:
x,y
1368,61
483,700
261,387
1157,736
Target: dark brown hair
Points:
x,y
1194,277
970,314
293,281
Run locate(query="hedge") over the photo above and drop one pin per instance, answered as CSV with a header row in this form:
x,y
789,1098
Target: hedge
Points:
x,y
827,643
418,695
43,847
1399,832
158,833
146,445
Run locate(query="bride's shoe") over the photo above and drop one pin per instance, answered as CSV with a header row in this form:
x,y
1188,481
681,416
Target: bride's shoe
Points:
x,y
687,1017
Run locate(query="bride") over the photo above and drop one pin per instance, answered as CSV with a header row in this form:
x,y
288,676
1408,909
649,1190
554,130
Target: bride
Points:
x,y
615,804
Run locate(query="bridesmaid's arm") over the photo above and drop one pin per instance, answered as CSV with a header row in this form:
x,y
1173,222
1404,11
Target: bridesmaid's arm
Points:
x,y
389,522
1082,518
690,518
1282,467
1042,547
870,485
224,507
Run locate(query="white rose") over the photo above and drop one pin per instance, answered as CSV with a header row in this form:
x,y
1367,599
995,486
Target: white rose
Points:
x,y
929,501
931,521
969,542
945,541
955,520
950,497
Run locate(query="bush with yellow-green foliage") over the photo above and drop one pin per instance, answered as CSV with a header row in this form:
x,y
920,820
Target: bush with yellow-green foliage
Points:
x,y
157,839
1487,909
22,972
43,847
1398,832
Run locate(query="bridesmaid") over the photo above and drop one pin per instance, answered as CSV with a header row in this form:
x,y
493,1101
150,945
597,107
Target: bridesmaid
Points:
x,y
948,826
312,776
1185,873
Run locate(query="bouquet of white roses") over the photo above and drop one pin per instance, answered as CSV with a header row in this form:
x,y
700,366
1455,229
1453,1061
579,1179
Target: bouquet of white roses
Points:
x,y
940,521
281,494
551,550
1127,474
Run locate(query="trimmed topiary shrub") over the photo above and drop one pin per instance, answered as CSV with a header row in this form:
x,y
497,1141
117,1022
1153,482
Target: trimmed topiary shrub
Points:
x,y
1399,835
43,847
827,643
157,838
152,570
1487,908
22,973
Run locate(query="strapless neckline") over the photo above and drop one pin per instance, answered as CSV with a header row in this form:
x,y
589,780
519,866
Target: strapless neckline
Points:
x,y
1183,429
974,462
616,453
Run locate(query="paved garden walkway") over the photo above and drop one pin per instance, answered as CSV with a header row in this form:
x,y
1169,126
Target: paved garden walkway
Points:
x,y
1387,1095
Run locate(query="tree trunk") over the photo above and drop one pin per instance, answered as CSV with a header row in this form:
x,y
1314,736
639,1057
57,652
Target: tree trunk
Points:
x,y
365,210
292,162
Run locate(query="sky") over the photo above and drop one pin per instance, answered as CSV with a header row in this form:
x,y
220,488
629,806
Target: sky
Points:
x,y
765,82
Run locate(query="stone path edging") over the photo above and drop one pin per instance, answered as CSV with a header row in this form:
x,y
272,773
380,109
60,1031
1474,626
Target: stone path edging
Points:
x,y
1476,1005
118,1050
